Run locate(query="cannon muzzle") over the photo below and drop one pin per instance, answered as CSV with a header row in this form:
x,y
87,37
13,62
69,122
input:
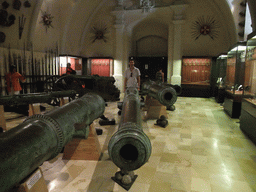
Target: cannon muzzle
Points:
x,y
130,148
42,137
166,95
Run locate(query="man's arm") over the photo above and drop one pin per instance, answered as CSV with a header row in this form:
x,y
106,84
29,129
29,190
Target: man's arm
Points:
x,y
138,80
21,77
125,81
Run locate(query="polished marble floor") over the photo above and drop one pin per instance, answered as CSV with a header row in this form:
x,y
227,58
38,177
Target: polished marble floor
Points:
x,y
201,150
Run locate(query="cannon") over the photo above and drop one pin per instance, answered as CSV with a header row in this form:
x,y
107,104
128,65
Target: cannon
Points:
x,y
42,137
45,97
103,86
166,95
177,88
129,148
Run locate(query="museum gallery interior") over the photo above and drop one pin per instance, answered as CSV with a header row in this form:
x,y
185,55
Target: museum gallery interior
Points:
x,y
68,123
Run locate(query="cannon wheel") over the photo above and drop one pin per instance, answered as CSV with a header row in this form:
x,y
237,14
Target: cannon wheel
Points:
x,y
49,83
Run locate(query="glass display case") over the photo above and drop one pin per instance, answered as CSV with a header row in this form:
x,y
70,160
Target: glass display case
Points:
x,y
102,66
234,79
196,76
248,112
221,65
250,70
75,61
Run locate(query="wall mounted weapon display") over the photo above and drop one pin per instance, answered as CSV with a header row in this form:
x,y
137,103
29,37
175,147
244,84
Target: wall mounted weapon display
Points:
x,y
2,37
99,32
46,20
6,20
205,26
36,66
22,21
16,4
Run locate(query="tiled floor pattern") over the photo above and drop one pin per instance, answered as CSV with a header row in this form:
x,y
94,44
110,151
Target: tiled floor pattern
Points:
x,y
201,150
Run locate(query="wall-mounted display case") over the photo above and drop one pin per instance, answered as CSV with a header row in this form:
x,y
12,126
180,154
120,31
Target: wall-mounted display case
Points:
x,y
196,71
195,76
102,66
235,79
75,61
248,112
221,65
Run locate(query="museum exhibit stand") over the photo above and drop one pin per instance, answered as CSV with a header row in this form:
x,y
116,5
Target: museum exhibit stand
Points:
x,y
234,80
195,77
248,111
219,89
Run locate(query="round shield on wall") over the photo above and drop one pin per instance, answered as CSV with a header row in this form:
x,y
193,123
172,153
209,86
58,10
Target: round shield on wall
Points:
x,y
2,37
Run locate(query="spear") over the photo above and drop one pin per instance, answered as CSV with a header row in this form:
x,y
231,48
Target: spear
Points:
x,y
33,67
45,65
58,61
49,62
5,72
24,71
51,57
9,55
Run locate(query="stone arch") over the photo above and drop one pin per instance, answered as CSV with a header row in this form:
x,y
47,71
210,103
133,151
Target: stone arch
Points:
x,y
151,45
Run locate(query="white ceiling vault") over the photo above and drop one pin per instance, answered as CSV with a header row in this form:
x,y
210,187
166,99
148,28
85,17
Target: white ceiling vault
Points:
x,y
73,21
101,11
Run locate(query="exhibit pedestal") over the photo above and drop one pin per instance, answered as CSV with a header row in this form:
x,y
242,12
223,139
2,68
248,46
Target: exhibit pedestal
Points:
x,y
2,118
83,149
196,90
248,119
154,108
34,109
232,104
35,183
220,95
64,101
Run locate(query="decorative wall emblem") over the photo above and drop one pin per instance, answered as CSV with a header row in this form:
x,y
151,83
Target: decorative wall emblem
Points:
x,y
46,20
2,37
205,26
16,4
27,4
5,19
99,33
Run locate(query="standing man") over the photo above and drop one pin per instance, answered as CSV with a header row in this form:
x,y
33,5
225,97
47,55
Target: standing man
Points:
x,y
13,79
132,76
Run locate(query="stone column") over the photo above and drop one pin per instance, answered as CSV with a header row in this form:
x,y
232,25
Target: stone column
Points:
x,y
178,21
177,52
118,62
170,53
119,45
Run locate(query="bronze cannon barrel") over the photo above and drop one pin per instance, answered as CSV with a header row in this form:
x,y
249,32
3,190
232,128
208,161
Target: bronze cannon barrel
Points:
x,y
45,97
130,148
177,88
42,137
166,95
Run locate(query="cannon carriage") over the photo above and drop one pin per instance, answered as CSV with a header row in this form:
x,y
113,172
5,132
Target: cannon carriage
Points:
x,y
82,84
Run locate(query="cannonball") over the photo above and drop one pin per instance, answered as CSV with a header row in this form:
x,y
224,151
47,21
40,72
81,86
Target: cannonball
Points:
x,y
118,175
126,179
131,173
162,117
